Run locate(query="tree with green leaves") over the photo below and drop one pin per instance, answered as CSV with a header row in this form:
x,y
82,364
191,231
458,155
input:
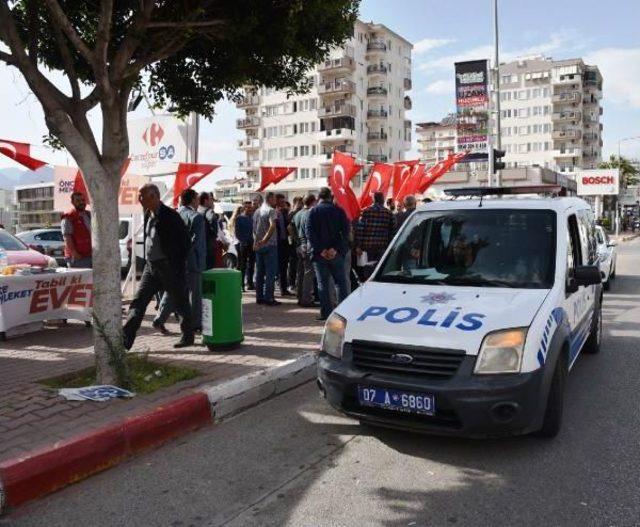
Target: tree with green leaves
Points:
x,y
185,53
628,172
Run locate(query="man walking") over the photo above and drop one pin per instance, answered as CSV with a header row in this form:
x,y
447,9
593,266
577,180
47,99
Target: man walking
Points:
x,y
76,230
284,249
196,263
244,234
327,233
305,274
265,246
167,246
375,229
409,203
210,227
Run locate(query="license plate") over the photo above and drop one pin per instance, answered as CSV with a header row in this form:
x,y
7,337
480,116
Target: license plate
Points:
x,y
398,400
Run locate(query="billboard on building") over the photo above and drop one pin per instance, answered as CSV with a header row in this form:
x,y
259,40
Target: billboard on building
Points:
x,y
157,144
472,107
598,182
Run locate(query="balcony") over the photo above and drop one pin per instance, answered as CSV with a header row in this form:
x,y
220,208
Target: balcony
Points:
x,y
377,136
342,110
408,104
590,136
566,134
336,134
377,158
250,164
249,122
567,97
336,65
377,91
567,153
567,116
377,69
407,83
327,152
336,88
376,45
248,144
377,114
248,101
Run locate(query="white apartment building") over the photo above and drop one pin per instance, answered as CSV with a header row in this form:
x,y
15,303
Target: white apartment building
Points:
x,y
357,104
550,113
34,207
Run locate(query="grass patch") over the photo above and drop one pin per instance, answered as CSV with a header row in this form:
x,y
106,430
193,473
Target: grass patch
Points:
x,y
146,376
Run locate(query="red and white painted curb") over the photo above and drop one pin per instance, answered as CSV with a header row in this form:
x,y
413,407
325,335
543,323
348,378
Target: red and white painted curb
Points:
x,y
49,469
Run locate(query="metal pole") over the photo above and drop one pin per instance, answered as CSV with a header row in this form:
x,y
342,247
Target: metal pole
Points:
x,y
496,65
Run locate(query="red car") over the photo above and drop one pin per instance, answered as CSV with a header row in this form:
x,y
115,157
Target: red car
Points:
x,y
18,253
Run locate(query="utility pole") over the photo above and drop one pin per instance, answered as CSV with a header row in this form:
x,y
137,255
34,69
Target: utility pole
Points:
x,y
496,84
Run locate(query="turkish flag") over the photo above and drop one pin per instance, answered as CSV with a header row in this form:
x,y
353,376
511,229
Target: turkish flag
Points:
x,y
401,171
21,153
438,170
79,186
379,181
188,175
272,175
411,183
343,168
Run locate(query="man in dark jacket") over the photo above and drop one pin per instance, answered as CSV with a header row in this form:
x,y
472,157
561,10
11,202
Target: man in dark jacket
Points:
x,y
327,232
167,246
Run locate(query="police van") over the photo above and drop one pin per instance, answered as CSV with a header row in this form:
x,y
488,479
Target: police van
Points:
x,y
472,319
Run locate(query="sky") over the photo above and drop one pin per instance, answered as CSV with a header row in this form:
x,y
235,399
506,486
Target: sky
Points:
x,y
606,34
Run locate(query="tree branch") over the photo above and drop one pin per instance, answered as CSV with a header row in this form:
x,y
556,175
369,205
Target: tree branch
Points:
x,y
91,100
131,41
185,25
67,28
103,35
8,58
32,19
67,60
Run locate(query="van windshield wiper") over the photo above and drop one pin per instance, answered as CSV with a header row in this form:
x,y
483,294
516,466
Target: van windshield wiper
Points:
x,y
480,282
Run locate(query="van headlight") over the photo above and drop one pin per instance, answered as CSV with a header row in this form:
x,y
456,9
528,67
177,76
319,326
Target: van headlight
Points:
x,y
333,336
501,352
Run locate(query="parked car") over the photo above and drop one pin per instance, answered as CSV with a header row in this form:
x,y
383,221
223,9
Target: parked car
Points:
x,y
46,241
18,253
472,319
125,240
607,255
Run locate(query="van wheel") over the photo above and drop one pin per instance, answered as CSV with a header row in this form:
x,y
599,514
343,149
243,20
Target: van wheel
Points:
x,y
555,402
592,345
612,275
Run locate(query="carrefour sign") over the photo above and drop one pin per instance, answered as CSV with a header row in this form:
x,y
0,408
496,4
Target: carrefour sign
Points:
x,y
597,182
157,144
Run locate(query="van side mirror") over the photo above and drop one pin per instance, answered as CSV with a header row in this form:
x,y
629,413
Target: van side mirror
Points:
x,y
585,275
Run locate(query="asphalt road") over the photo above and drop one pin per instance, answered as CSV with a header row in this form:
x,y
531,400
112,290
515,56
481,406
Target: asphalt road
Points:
x,y
293,461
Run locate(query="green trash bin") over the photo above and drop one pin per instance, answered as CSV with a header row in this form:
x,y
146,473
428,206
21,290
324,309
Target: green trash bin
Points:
x,y
222,308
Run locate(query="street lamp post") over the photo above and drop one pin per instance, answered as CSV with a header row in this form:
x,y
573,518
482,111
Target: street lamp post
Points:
x,y
496,81
620,141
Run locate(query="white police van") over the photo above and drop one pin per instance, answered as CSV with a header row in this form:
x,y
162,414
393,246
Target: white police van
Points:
x,y
472,319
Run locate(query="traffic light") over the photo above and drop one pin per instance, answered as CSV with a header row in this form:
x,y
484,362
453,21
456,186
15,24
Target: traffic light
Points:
x,y
497,156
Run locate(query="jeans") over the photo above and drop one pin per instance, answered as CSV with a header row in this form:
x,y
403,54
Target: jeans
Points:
x,y
266,270
246,263
325,270
157,276
283,264
80,263
305,278
167,305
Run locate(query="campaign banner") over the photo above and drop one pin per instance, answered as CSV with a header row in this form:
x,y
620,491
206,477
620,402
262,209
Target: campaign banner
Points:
x,y
597,182
66,294
128,194
157,144
63,182
472,106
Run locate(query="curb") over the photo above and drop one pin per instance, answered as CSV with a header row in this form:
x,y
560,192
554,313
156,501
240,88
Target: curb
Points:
x,y
44,471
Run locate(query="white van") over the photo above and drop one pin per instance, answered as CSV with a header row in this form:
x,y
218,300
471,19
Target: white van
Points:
x,y
472,319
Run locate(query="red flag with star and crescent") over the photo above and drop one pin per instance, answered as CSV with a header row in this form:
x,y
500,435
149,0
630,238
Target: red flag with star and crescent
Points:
x,y
379,181
343,168
401,171
189,174
21,153
272,175
411,183
438,170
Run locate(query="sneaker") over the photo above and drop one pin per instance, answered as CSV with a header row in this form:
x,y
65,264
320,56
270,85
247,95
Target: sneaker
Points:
x,y
161,327
184,342
261,301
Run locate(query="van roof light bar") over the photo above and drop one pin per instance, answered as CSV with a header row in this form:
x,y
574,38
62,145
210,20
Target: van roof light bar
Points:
x,y
554,190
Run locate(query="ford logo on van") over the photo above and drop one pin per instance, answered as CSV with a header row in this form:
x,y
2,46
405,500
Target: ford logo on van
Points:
x,y
402,358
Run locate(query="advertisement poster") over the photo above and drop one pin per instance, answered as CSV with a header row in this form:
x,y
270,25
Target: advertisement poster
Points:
x,y
472,106
598,182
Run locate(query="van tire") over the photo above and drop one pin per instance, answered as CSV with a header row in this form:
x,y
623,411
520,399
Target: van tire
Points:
x,y
593,343
555,402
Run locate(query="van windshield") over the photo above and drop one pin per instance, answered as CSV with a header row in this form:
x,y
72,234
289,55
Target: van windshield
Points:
x,y
479,247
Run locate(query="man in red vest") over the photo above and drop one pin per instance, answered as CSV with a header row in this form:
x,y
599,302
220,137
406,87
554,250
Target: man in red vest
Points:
x,y
76,229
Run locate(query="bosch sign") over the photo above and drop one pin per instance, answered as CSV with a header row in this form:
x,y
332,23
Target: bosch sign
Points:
x,y
597,182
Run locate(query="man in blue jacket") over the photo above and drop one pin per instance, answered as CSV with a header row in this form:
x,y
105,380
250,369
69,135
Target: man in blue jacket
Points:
x,y
327,233
196,262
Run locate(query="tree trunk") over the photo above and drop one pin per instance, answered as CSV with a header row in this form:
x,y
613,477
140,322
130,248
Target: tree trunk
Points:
x,y
110,354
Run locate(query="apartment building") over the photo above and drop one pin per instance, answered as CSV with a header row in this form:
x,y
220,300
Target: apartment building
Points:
x,y
7,210
357,104
550,113
34,207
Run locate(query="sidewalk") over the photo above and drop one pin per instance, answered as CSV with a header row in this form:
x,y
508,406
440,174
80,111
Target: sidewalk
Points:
x,y
34,417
